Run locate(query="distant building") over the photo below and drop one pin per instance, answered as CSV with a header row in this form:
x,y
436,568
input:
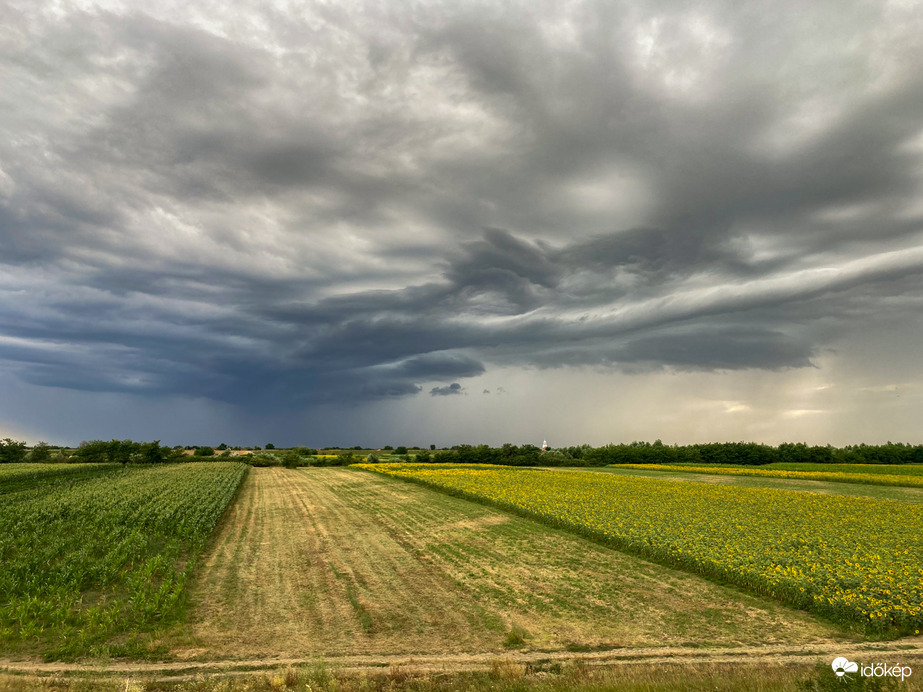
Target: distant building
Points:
x,y
544,445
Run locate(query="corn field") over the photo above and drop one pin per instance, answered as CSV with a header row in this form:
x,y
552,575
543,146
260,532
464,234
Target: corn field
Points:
x,y
104,556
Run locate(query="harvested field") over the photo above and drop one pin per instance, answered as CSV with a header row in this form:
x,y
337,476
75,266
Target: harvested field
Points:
x,y
338,562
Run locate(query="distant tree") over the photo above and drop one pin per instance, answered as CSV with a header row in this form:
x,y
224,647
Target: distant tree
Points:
x,y
270,445
400,450
94,452
432,448
204,452
372,458
153,453
121,451
12,451
100,451
41,453
387,448
177,454
222,447
291,459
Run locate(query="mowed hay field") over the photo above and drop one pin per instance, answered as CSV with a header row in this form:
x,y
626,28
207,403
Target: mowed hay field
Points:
x,y
334,562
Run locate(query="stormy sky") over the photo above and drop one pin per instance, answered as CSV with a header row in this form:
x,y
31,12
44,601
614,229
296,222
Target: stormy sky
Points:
x,y
375,223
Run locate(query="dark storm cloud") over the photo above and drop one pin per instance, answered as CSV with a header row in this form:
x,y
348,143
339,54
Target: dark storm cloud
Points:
x,y
278,210
448,390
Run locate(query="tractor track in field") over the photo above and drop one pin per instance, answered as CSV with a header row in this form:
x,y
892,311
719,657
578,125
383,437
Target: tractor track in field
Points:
x,y
900,651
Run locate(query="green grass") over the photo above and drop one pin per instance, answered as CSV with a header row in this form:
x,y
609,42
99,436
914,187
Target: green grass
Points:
x,y
890,469
877,469
878,492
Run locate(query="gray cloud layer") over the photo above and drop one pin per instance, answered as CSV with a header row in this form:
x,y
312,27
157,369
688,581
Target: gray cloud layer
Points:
x,y
280,209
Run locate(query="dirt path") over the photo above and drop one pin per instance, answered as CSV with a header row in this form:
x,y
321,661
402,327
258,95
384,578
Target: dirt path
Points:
x,y
905,651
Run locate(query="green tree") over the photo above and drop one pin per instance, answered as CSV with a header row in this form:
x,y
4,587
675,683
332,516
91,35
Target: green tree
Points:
x,y
291,459
121,450
204,452
400,450
153,453
41,454
93,452
12,451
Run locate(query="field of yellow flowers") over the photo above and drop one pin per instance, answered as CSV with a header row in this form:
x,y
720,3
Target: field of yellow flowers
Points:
x,y
852,559
898,479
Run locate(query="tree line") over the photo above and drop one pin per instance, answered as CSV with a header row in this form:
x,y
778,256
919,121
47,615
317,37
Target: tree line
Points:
x,y
733,453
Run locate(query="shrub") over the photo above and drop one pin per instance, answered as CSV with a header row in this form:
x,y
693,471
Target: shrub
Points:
x,y
263,460
11,451
291,460
40,453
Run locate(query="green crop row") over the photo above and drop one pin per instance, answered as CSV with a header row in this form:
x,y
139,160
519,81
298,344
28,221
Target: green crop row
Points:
x,y
105,556
15,477
852,559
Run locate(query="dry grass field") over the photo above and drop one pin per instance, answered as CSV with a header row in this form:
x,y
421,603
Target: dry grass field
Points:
x,y
336,562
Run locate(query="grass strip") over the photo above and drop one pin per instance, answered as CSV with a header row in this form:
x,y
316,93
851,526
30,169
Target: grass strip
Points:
x,y
867,478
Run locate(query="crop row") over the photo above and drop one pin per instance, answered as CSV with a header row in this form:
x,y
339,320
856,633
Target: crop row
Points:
x,y
107,555
14,477
904,479
849,558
